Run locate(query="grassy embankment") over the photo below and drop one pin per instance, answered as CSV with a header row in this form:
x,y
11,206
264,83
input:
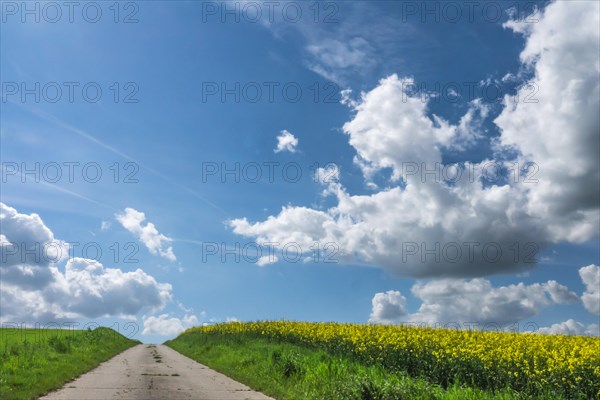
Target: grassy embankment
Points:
x,y
315,361
34,361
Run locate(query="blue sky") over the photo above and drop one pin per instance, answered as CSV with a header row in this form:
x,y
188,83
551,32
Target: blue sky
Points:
x,y
190,89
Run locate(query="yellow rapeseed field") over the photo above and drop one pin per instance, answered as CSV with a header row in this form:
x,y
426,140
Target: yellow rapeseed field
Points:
x,y
529,363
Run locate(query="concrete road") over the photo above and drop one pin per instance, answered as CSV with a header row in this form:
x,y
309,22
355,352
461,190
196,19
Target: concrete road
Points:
x,y
147,372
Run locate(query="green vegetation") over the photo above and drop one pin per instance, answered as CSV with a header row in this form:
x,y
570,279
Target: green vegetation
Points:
x,y
288,371
34,361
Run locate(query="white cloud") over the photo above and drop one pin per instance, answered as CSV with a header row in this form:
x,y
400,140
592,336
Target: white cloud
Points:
x,y
92,290
388,307
346,98
286,141
393,131
337,54
293,225
165,326
554,121
560,294
344,51
267,260
157,243
27,249
86,289
570,327
395,228
477,301
509,77
37,290
391,128
590,276
469,129
26,240
335,58
105,225
341,47
328,174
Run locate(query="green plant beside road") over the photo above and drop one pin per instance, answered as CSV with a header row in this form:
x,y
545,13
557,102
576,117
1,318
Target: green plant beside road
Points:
x,y
290,372
34,361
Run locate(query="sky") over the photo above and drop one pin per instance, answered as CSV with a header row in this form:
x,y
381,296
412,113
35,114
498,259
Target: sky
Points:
x,y
172,164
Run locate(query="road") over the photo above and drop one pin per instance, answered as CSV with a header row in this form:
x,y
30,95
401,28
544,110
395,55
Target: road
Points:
x,y
147,372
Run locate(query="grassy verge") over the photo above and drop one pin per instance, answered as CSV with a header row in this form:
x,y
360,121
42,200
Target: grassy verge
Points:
x,y
34,361
287,371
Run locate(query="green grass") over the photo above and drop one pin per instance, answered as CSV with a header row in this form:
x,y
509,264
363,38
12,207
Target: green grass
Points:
x,y
287,371
35,361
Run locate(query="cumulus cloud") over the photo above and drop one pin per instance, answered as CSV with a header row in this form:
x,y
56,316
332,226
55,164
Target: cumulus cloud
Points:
x,y
570,327
554,121
560,294
157,243
424,224
86,289
476,300
37,290
26,240
391,127
426,229
27,249
590,276
286,141
389,130
92,290
167,326
388,307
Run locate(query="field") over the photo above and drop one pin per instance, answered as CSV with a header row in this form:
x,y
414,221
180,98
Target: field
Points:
x,y
34,361
295,360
